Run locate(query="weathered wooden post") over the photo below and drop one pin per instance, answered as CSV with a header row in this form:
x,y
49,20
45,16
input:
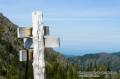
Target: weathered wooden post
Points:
x,y
36,38
38,45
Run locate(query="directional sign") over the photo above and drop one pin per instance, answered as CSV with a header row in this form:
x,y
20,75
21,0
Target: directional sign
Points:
x,y
51,42
27,31
24,32
23,55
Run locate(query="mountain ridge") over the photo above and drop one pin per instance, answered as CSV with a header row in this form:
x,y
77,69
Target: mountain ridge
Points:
x,y
111,59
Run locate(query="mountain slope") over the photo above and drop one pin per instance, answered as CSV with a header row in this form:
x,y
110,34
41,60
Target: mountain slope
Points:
x,y
9,46
57,67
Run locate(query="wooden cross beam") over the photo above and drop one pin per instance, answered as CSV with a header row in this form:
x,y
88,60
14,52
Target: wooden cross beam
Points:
x,y
26,34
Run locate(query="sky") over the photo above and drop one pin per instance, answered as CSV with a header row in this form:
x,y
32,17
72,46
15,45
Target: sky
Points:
x,y
84,26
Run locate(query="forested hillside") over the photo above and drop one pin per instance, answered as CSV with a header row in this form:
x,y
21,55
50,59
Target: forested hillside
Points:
x,y
100,62
57,67
111,61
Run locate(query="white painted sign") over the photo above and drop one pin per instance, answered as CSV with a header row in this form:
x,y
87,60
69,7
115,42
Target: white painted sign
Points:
x,y
24,32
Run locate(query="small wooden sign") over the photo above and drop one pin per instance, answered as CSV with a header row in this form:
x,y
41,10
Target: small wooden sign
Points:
x,y
23,55
51,42
24,32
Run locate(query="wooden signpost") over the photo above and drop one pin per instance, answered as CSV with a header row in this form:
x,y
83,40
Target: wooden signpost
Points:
x,y
36,38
